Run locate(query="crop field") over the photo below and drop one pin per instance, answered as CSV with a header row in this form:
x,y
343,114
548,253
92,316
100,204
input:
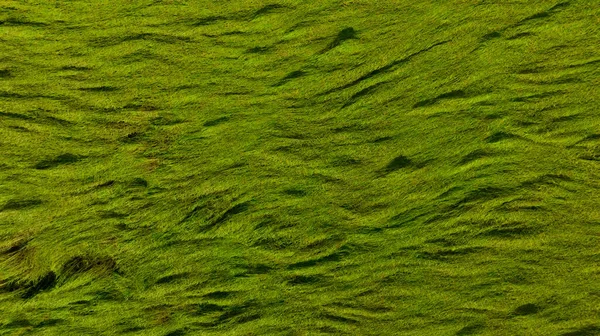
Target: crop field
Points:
x,y
287,167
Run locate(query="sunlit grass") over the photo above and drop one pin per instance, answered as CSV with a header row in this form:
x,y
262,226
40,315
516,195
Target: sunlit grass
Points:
x,y
299,168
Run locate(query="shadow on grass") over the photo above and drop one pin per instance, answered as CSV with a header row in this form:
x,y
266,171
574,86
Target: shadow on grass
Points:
x,y
62,159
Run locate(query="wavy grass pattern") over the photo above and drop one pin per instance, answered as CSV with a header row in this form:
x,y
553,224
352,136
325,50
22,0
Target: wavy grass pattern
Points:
x,y
299,168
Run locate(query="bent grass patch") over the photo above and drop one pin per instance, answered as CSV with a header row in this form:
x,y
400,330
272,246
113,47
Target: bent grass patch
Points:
x,y
288,167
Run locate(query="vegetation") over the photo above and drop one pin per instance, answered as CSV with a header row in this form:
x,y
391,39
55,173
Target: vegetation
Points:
x,y
300,167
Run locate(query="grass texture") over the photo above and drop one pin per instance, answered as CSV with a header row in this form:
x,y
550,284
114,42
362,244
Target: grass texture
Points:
x,y
300,167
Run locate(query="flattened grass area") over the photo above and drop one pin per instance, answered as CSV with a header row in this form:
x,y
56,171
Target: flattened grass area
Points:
x,y
300,167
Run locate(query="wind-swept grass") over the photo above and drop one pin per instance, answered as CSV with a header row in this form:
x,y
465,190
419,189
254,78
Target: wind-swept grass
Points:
x,y
299,168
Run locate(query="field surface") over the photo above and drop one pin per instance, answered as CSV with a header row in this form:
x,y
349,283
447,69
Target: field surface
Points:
x,y
293,167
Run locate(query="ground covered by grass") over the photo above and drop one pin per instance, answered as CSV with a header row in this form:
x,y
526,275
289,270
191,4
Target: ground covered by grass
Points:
x,y
297,167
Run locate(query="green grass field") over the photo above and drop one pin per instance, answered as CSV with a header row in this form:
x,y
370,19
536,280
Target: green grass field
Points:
x,y
293,167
